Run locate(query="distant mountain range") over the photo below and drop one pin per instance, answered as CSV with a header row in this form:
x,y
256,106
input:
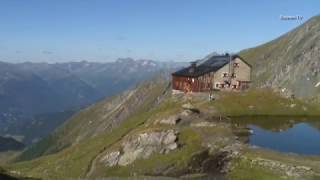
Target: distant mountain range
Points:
x,y
101,117
32,90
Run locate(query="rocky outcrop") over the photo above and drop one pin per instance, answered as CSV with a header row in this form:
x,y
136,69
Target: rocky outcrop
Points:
x,y
172,120
203,124
112,158
142,146
187,111
190,107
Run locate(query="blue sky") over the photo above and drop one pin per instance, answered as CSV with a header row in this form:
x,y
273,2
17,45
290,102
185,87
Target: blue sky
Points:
x,y
103,30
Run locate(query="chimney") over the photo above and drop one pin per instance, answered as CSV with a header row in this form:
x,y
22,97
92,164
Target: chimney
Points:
x,y
193,67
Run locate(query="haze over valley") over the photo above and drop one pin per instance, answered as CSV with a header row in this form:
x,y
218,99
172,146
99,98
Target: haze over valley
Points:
x,y
37,97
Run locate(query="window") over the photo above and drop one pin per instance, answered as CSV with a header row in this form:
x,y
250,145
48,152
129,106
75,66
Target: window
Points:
x,y
235,64
234,86
217,85
225,74
233,75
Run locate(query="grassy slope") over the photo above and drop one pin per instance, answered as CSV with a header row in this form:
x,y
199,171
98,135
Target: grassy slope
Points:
x,y
178,158
265,102
62,136
74,162
97,119
244,170
4,175
7,157
261,102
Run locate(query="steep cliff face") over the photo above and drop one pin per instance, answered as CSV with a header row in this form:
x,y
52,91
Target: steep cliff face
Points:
x,y
290,62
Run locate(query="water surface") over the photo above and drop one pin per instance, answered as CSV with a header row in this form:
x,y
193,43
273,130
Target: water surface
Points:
x,y
284,134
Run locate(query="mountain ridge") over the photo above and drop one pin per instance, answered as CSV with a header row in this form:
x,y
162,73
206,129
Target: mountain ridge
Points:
x,y
106,115
30,89
290,61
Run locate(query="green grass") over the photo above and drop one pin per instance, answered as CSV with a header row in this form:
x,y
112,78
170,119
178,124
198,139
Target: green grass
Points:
x,y
244,171
6,157
297,160
88,122
262,102
191,143
73,162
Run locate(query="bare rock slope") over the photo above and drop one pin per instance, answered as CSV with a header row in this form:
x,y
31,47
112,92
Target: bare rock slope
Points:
x,y
291,62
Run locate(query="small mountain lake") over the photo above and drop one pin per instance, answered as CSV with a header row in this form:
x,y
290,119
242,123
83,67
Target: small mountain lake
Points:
x,y
285,134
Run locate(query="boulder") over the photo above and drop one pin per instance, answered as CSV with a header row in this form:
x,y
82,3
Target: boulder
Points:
x,y
187,106
292,105
185,113
172,120
129,157
203,124
142,146
190,107
111,159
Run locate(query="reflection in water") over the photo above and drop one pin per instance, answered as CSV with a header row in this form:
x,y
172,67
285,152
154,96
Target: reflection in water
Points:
x,y
285,134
